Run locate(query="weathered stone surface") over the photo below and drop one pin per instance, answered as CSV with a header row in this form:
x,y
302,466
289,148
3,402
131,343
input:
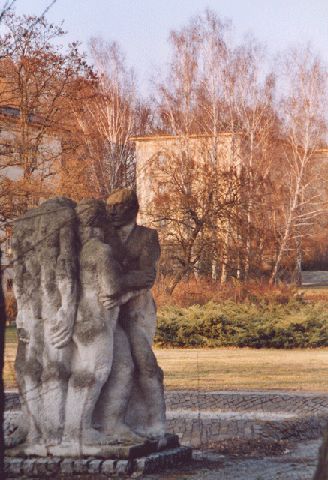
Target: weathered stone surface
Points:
x,y
94,466
48,467
157,461
41,466
53,465
67,466
122,467
28,467
14,466
108,466
114,451
88,378
81,465
322,467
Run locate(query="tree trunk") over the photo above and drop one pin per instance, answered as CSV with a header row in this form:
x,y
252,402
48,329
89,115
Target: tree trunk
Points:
x,y
176,280
214,269
2,348
298,262
225,256
282,248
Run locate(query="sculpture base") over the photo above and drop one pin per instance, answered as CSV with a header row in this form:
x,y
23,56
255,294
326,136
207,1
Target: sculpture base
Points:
x,y
16,467
113,451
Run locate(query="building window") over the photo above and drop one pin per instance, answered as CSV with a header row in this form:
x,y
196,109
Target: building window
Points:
x,y
162,188
161,160
10,284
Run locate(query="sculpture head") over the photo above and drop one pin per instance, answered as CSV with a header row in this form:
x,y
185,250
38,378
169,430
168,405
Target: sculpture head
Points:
x,y
122,207
92,217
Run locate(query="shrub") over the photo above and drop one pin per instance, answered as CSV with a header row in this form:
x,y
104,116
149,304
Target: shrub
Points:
x,y
11,308
291,325
201,291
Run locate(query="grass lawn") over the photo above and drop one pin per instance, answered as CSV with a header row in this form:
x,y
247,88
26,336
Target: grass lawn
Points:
x,y
10,354
226,368
249,369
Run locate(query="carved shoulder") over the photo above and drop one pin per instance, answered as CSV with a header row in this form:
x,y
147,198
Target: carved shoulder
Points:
x,y
150,247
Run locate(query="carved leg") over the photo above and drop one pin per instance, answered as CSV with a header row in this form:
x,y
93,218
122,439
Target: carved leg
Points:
x,y
29,370
23,427
91,367
56,371
28,374
33,407
150,383
146,412
113,401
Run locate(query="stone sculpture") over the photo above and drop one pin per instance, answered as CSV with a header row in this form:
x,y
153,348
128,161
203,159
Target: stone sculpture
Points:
x,y
87,375
45,268
321,472
140,402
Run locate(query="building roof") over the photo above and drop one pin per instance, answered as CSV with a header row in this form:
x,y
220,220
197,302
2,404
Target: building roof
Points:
x,y
149,138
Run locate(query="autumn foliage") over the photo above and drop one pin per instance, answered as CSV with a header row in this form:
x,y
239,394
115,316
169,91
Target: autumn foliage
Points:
x,y
245,200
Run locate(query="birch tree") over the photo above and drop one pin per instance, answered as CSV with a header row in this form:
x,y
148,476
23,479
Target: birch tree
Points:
x,y
302,109
249,94
199,171
108,119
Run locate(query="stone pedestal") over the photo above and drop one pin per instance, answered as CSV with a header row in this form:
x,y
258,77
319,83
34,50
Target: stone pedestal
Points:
x,y
120,460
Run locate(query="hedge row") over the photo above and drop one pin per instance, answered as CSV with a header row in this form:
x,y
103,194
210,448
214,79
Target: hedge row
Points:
x,y
294,325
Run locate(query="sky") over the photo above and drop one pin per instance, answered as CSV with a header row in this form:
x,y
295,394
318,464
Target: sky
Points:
x,y
142,27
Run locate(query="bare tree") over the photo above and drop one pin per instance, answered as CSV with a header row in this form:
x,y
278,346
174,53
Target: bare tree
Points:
x,y
114,113
214,88
200,169
35,79
249,94
302,107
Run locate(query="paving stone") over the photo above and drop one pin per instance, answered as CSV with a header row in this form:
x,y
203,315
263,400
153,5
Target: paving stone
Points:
x,y
122,467
40,466
140,464
67,466
7,466
108,466
201,418
81,465
94,466
53,465
28,466
15,466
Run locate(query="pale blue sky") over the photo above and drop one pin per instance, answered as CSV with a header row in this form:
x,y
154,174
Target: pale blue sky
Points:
x,y
142,26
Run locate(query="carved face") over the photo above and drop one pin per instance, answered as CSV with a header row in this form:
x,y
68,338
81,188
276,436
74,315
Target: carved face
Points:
x,y
121,214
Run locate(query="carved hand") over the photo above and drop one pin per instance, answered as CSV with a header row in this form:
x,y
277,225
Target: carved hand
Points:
x,y
109,301
62,330
23,335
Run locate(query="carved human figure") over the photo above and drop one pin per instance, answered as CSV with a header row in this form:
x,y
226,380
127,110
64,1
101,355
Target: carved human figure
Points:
x,y
138,402
30,341
100,276
44,246
85,367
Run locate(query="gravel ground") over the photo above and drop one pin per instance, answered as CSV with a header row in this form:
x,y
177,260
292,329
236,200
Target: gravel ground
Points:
x,y
296,463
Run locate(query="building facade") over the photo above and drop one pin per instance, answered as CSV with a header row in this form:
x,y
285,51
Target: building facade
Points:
x,y
155,154
43,153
